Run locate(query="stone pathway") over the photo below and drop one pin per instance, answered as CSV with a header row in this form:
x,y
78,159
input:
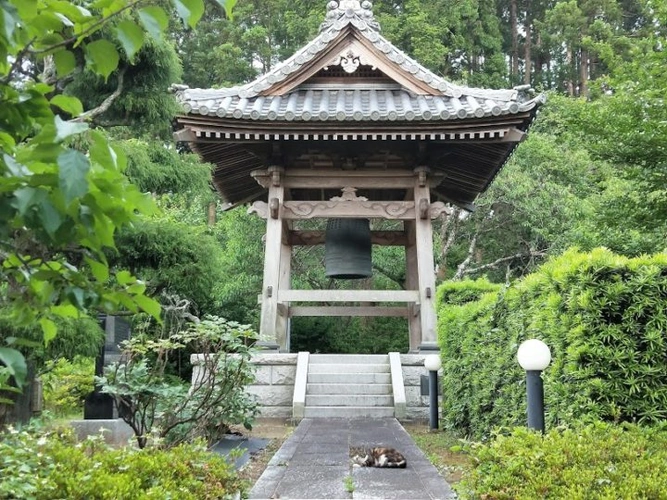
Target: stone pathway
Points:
x,y
314,463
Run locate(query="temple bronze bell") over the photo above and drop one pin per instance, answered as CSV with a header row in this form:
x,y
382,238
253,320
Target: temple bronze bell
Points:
x,y
348,249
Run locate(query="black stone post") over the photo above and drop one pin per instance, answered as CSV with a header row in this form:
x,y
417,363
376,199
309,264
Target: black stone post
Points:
x,y
535,400
433,398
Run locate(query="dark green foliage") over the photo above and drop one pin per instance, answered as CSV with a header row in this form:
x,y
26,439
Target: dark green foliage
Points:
x,y
159,169
242,265
604,318
76,337
145,105
173,258
472,356
43,466
349,335
458,39
599,461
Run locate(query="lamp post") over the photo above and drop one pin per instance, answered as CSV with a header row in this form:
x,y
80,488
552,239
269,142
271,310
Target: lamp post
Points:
x,y
433,363
534,356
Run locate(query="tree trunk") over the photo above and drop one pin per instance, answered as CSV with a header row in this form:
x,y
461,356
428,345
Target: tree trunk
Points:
x,y
583,73
528,24
537,67
569,84
211,213
514,56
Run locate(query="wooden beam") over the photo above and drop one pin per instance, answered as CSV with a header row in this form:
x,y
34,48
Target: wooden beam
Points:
x,y
381,238
348,296
351,311
390,210
338,179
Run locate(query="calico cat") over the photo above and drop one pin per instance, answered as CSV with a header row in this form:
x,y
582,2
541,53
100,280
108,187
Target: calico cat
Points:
x,y
377,457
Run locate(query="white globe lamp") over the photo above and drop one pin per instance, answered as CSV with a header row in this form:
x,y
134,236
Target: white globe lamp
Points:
x,y
433,362
534,355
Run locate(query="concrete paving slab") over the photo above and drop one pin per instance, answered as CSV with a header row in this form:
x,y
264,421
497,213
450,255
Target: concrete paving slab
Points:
x,y
314,464
315,482
374,479
265,487
319,458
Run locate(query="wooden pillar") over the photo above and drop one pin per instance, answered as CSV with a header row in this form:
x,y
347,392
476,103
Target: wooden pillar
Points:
x,y
284,283
412,283
268,326
425,262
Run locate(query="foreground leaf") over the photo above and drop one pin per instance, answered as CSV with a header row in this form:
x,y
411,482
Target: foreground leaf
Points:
x,y
15,363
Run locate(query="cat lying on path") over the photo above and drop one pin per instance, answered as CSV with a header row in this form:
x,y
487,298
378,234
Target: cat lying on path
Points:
x,y
377,457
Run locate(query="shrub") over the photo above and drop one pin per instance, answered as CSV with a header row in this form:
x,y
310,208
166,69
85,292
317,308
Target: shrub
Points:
x,y
468,361
603,316
66,385
173,257
598,461
53,465
153,402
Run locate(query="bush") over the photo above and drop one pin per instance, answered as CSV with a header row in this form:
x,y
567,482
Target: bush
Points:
x,y
598,461
154,403
467,381
53,465
174,258
66,385
603,316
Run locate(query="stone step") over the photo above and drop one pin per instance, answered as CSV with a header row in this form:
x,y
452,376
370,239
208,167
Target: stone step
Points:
x,y
349,400
349,389
348,411
349,378
348,358
336,368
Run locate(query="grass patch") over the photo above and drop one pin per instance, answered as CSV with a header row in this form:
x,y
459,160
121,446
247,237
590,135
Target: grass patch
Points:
x,y
278,433
349,484
444,451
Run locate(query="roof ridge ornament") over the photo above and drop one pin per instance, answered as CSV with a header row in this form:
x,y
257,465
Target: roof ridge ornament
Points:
x,y
344,12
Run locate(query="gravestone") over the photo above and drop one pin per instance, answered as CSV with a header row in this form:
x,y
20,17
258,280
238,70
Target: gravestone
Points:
x,y
97,405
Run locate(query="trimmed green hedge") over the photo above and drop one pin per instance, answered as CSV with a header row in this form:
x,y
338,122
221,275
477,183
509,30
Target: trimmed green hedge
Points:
x,y
53,465
599,461
603,316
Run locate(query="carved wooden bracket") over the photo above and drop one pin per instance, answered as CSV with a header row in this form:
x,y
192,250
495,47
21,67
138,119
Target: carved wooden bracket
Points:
x,y
438,208
349,194
260,208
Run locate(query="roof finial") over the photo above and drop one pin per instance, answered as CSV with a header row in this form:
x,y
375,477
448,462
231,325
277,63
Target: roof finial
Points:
x,y
344,11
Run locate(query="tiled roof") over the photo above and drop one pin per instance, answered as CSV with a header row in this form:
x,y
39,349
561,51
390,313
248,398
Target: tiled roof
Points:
x,y
349,104
376,109
370,102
